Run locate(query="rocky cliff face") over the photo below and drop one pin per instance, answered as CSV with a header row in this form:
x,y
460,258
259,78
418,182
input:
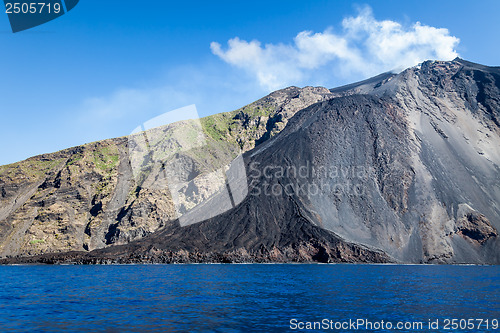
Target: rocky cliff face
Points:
x,y
86,198
402,168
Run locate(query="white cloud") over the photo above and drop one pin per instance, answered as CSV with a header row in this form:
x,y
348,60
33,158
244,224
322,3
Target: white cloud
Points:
x,y
364,47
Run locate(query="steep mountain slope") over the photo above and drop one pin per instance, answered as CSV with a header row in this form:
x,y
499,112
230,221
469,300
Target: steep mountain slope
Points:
x,y
408,172
87,197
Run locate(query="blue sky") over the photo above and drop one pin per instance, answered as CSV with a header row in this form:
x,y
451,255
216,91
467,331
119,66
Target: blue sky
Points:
x,y
108,66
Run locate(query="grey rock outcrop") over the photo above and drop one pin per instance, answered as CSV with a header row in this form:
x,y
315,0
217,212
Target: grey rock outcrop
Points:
x,y
398,168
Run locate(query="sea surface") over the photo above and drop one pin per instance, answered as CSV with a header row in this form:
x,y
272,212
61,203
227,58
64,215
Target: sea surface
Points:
x,y
247,298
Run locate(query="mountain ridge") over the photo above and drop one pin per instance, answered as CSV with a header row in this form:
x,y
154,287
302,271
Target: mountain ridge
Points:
x,y
426,140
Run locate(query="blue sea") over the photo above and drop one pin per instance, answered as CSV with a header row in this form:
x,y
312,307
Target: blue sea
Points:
x,y
249,298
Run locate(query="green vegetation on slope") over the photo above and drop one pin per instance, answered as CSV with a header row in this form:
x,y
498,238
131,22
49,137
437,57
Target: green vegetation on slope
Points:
x,y
32,168
106,158
218,126
233,127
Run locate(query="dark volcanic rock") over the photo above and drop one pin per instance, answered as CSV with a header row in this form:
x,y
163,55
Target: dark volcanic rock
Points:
x,y
87,197
398,168
476,227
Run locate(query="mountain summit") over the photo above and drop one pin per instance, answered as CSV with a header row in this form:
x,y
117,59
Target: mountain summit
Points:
x,y
398,168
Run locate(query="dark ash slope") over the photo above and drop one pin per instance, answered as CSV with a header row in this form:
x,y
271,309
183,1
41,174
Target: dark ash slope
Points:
x,y
408,172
